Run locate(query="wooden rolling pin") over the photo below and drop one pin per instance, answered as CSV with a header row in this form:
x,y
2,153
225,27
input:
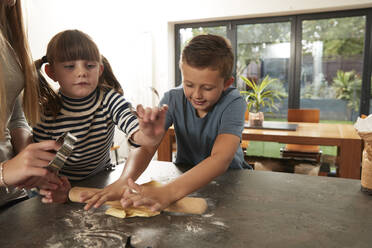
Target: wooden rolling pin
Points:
x,y
189,205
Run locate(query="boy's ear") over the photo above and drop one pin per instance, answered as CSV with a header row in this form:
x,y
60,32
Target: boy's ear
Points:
x,y
228,83
50,72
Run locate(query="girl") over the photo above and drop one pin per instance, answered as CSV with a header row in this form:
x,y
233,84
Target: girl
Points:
x,y
19,162
89,104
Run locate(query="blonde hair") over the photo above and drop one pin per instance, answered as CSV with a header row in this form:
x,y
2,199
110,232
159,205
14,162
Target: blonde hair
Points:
x,y
71,45
12,27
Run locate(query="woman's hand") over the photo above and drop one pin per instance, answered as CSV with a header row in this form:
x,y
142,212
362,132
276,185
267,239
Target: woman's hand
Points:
x,y
111,192
30,162
154,198
59,195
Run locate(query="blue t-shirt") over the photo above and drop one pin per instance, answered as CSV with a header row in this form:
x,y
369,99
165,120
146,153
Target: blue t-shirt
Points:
x,y
195,136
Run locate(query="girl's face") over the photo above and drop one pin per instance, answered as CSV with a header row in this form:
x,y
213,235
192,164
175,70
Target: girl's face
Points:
x,y
203,87
77,78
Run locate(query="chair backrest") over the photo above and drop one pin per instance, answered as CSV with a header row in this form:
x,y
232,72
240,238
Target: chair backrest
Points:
x,y
303,115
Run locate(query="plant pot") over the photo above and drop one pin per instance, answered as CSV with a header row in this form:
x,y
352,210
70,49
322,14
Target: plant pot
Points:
x,y
256,119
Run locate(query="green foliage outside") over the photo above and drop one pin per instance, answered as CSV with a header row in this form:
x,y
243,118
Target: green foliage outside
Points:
x,y
264,94
340,36
347,86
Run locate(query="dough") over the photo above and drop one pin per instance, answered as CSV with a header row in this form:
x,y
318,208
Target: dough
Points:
x,y
130,212
119,212
188,205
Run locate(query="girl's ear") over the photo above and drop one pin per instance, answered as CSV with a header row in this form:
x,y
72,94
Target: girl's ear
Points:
x,y
50,72
228,83
101,68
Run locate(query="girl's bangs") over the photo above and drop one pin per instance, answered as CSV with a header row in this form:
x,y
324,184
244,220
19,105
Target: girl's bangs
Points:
x,y
76,47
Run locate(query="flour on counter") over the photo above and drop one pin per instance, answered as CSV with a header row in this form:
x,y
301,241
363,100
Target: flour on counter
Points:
x,y
87,230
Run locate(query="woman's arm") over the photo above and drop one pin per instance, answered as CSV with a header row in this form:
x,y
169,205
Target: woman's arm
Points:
x,y
19,130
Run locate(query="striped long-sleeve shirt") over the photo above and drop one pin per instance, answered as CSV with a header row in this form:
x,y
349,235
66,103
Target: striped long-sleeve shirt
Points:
x,y
91,120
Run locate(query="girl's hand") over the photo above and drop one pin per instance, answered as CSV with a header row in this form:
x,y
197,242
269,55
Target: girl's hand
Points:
x,y
151,121
30,162
111,192
50,181
60,195
154,198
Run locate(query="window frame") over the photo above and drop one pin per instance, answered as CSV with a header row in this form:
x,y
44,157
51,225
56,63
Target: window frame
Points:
x,y
295,47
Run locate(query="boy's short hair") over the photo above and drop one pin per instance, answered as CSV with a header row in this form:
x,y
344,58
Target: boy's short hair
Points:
x,y
209,51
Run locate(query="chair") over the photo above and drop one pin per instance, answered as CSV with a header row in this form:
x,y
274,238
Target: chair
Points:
x,y
245,143
114,149
302,151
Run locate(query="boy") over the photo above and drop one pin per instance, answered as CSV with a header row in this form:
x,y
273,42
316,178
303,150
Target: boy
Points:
x,y
208,119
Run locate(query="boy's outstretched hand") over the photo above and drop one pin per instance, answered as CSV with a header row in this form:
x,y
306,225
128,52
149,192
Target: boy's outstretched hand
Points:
x,y
154,198
151,121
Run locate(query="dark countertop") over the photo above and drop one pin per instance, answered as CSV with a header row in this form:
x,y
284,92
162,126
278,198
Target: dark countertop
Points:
x,y
245,209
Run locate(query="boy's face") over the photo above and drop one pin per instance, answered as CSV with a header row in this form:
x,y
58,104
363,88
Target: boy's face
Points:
x,y
203,87
77,78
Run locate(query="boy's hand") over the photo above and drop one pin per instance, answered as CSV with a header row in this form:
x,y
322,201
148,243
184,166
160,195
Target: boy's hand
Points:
x,y
151,121
59,195
111,192
154,198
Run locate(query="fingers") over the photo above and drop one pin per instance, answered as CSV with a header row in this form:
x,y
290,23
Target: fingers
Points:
x,y
57,196
133,199
47,196
66,183
133,186
30,183
46,145
101,201
39,154
95,200
140,111
89,203
86,195
151,114
54,179
131,195
46,200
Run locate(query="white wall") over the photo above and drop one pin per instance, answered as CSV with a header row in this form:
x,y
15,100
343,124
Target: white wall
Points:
x,y
137,36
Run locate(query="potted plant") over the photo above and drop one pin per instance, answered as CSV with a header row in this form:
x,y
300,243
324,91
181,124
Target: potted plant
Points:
x,y
262,95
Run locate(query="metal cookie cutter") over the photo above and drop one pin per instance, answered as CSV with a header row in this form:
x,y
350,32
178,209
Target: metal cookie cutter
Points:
x,y
67,142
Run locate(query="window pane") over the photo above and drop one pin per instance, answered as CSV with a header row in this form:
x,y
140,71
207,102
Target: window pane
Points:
x,y
186,34
332,65
264,50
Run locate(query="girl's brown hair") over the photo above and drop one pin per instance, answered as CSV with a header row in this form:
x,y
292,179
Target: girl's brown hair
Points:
x,y
12,27
209,51
72,45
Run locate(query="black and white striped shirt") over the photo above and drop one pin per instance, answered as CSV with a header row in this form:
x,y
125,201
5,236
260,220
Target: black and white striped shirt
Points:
x,y
91,120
